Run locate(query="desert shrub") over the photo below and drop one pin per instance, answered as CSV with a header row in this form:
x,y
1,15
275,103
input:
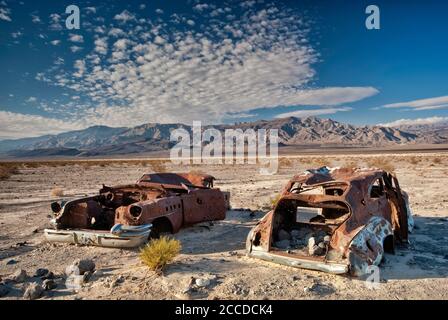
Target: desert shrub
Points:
x,y
158,165
437,160
320,162
285,162
381,163
159,252
351,164
414,160
7,170
273,201
57,192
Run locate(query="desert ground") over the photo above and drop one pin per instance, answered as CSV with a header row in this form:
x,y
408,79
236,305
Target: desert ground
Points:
x,y
216,251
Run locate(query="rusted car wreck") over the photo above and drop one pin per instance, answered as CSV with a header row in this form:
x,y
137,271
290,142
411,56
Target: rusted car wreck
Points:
x,y
127,215
337,220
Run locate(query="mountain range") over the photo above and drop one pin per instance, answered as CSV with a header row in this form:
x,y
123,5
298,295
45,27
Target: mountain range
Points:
x,y
151,137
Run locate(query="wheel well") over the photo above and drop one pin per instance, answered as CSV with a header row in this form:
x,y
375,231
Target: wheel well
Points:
x,y
389,244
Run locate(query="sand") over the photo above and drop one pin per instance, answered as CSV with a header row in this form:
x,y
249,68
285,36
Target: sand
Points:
x,y
216,251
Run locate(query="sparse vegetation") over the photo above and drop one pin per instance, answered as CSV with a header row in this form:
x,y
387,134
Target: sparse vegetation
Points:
x,y
381,163
158,165
285,162
7,170
351,164
159,252
274,200
57,192
414,160
437,160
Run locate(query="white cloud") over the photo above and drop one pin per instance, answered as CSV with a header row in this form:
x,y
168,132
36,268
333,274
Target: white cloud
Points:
x,y
17,34
124,16
17,125
5,14
260,59
101,45
190,22
31,99
91,9
313,112
421,104
55,42
75,49
200,7
142,6
76,38
159,11
419,121
55,23
35,18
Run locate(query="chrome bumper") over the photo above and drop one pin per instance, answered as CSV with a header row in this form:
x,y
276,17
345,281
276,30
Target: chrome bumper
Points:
x,y
118,237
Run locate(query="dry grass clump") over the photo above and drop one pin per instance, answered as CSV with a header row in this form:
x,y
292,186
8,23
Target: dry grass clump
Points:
x,y
158,165
351,163
437,160
159,252
7,170
320,162
414,160
273,201
381,163
285,162
57,192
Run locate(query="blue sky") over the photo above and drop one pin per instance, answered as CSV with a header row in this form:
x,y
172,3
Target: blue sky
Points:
x,y
141,61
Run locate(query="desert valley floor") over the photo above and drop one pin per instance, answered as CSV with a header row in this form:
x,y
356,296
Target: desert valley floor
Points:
x,y
216,251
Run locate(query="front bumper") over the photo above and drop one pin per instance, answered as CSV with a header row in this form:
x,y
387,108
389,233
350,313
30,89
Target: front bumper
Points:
x,y
330,267
118,237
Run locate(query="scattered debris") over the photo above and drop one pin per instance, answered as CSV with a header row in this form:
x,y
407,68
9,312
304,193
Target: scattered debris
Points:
x,y
49,284
11,261
4,290
34,291
18,276
202,282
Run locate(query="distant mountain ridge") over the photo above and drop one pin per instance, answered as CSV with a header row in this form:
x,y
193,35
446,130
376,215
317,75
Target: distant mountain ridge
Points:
x,y
103,140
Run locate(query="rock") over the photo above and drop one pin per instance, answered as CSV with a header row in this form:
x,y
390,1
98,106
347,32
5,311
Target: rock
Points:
x,y
202,282
4,290
322,245
49,275
284,244
283,235
11,261
86,276
34,291
41,272
327,239
18,276
79,267
49,284
84,265
116,281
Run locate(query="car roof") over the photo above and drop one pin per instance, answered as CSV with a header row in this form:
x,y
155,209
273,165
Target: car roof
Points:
x,y
349,175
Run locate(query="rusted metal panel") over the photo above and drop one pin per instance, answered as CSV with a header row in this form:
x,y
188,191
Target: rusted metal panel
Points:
x,y
353,212
165,200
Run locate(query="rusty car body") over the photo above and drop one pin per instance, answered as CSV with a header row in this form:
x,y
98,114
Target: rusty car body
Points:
x,y
127,215
337,220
